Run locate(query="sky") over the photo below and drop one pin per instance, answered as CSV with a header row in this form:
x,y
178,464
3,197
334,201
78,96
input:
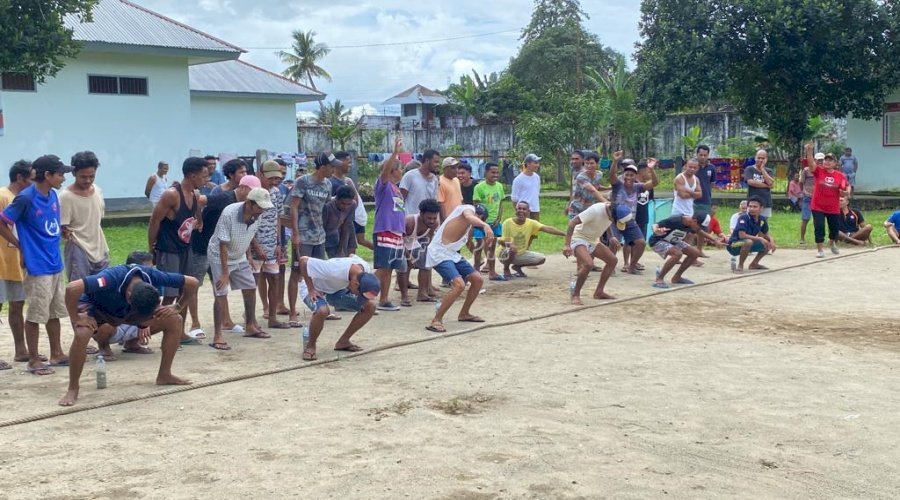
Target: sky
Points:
x,y
365,72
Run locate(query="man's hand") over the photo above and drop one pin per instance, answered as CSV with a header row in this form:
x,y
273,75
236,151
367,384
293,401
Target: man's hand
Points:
x,y
567,251
660,231
295,239
618,155
651,163
163,312
223,281
144,335
614,244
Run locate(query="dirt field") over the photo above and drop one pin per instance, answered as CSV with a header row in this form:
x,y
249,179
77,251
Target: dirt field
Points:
x,y
775,385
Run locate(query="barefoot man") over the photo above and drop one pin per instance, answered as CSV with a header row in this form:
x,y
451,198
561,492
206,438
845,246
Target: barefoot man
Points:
x,y
443,256
125,295
583,241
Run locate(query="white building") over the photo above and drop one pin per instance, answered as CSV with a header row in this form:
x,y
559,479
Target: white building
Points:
x,y
876,144
145,89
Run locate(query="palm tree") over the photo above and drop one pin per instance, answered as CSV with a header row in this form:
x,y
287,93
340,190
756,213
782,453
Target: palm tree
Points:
x,y
303,60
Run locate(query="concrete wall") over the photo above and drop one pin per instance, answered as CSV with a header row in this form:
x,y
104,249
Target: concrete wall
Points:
x,y
717,127
879,165
242,125
475,141
129,134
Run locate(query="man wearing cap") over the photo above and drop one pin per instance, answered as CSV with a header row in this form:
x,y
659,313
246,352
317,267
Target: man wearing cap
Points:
x,y
12,276
668,241
527,185
86,252
443,256
583,241
345,283
35,212
759,180
308,198
227,251
625,192
265,266
449,193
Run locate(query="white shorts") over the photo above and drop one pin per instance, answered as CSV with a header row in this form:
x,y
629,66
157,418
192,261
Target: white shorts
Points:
x,y
578,243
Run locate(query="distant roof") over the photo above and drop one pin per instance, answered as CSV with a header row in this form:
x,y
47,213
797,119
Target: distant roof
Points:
x,y
123,26
417,94
237,78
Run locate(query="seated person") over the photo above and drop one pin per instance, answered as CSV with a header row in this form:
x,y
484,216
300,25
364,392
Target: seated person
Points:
x,y
518,233
890,226
795,193
751,235
715,229
852,227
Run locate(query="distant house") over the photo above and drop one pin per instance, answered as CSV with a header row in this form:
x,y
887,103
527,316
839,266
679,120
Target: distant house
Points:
x,y
876,143
417,105
146,88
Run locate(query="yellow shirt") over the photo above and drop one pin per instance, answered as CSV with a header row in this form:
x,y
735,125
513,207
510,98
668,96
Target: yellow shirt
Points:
x,y
82,214
10,259
520,235
449,194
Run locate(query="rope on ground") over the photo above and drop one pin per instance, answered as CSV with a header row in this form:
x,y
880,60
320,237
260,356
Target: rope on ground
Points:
x,y
309,364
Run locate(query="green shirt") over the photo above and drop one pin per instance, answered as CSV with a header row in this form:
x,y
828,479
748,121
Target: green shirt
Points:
x,y
490,196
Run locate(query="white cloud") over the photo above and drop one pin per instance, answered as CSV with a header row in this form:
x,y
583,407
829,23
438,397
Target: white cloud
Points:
x,y
363,110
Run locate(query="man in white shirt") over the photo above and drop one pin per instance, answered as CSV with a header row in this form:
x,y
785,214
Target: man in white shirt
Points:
x,y
583,241
421,183
343,283
527,186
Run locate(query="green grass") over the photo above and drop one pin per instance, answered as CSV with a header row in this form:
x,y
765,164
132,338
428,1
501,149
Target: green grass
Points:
x,y
785,227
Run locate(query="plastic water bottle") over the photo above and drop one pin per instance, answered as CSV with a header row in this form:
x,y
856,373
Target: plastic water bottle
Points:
x,y
305,335
572,285
437,306
100,370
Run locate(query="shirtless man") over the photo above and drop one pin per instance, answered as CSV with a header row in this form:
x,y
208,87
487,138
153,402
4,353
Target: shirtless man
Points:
x,y
443,256
97,305
583,241
419,231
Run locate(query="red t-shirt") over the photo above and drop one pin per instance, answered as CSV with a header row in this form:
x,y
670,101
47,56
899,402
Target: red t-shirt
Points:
x,y
714,227
827,193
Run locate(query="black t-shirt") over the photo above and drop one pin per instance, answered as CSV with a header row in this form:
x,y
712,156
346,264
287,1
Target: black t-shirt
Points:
x,y
849,222
215,203
468,193
642,214
677,230
765,194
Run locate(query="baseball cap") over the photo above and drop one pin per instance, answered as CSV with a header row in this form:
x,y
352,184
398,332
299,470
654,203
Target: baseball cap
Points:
x,y
368,283
820,156
481,211
622,215
250,181
51,163
532,157
829,155
449,162
702,218
271,168
323,159
261,197
629,165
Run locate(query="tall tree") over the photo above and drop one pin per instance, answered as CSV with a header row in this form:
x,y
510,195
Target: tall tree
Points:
x,y
779,62
34,38
549,14
304,58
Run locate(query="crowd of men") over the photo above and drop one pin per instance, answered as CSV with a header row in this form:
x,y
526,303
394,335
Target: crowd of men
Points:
x,y
246,231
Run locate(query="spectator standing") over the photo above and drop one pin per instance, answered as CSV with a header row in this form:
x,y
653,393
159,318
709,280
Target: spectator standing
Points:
x,y
12,275
86,251
849,166
759,180
826,200
527,185
421,183
157,183
808,183
449,193
390,226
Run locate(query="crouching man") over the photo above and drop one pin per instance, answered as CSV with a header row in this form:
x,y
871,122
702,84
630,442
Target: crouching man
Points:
x,y
346,283
125,295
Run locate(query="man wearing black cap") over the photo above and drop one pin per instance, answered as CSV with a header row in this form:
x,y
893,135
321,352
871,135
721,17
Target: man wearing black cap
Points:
x,y
346,283
36,214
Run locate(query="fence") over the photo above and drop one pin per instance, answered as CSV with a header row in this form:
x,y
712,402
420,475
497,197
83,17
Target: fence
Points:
x,y
473,141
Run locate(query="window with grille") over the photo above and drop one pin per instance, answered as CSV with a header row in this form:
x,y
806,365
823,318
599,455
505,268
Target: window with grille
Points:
x,y
17,81
117,85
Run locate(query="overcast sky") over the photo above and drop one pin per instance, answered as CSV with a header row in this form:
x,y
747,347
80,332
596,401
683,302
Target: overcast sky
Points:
x,y
366,76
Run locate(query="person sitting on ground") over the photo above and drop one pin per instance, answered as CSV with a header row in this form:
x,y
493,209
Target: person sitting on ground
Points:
x,y
852,227
751,235
890,225
583,241
345,283
742,210
795,193
125,294
419,231
715,228
443,256
518,233
489,193
668,241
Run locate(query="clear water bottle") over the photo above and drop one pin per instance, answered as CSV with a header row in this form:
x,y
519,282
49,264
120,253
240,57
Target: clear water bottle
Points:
x,y
437,306
572,285
100,370
305,335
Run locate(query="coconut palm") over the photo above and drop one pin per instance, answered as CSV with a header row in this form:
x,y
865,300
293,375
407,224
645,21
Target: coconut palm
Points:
x,y
303,60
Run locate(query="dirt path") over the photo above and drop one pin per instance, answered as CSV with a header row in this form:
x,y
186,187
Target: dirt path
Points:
x,y
774,385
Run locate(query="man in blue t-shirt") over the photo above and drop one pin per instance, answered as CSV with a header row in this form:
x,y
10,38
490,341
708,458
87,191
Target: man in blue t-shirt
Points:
x,y
891,226
35,212
126,294
751,234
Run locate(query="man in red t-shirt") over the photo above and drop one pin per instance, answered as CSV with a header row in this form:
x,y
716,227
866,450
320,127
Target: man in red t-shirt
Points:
x,y
826,199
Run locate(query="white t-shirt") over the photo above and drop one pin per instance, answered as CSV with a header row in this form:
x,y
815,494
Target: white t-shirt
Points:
x,y
527,188
734,220
594,222
419,188
332,275
438,251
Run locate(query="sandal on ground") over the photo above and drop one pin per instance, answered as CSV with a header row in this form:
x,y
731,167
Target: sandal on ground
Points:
x,y
220,346
309,355
436,328
349,348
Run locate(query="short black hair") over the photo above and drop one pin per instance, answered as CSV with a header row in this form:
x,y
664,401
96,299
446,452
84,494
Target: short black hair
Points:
x,y
578,152
429,206
755,198
84,159
280,162
209,157
232,166
20,168
193,165
592,155
429,154
465,166
340,155
144,299
489,165
345,193
704,147
139,257
642,164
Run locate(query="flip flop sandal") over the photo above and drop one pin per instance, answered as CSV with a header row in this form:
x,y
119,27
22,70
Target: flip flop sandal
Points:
x,y
309,355
279,326
661,285
41,370
137,350
197,333
220,346
349,348
473,319
257,335
436,328
191,341
333,317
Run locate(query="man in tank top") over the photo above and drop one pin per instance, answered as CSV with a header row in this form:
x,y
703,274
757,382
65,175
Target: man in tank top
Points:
x,y
687,189
157,183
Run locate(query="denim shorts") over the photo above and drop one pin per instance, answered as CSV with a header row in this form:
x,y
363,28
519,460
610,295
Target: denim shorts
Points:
x,y
630,234
450,270
805,212
341,300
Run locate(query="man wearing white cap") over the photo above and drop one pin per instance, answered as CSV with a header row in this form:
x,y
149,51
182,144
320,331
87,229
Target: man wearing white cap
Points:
x,y
527,185
228,265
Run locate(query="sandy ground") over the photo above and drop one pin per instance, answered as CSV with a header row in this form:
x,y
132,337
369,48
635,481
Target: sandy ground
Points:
x,y
775,385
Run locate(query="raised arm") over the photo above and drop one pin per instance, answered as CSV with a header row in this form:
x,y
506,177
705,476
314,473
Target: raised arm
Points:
x,y
654,180
388,164
810,157
614,167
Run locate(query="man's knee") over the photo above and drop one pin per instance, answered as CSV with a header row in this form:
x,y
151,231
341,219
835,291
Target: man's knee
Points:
x,y
368,308
83,334
458,284
322,312
475,278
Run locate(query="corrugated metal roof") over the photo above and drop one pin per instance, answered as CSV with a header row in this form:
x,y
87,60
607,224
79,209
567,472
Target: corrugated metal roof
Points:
x,y
238,77
417,94
121,22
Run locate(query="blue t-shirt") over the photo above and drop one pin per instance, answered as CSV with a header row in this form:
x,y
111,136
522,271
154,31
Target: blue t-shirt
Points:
x,y
105,291
37,223
746,224
895,219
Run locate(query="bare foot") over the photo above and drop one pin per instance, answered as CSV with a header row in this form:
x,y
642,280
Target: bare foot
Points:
x,y
603,296
171,380
69,398
576,301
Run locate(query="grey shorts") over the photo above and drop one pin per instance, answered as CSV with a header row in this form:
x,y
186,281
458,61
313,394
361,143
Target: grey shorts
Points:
x,y
662,247
78,264
240,277
174,263
524,259
11,291
305,250
199,266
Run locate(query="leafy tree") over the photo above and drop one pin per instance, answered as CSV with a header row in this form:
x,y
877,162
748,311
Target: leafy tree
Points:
x,y
304,58
779,62
626,127
34,39
465,95
335,118
504,100
549,14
